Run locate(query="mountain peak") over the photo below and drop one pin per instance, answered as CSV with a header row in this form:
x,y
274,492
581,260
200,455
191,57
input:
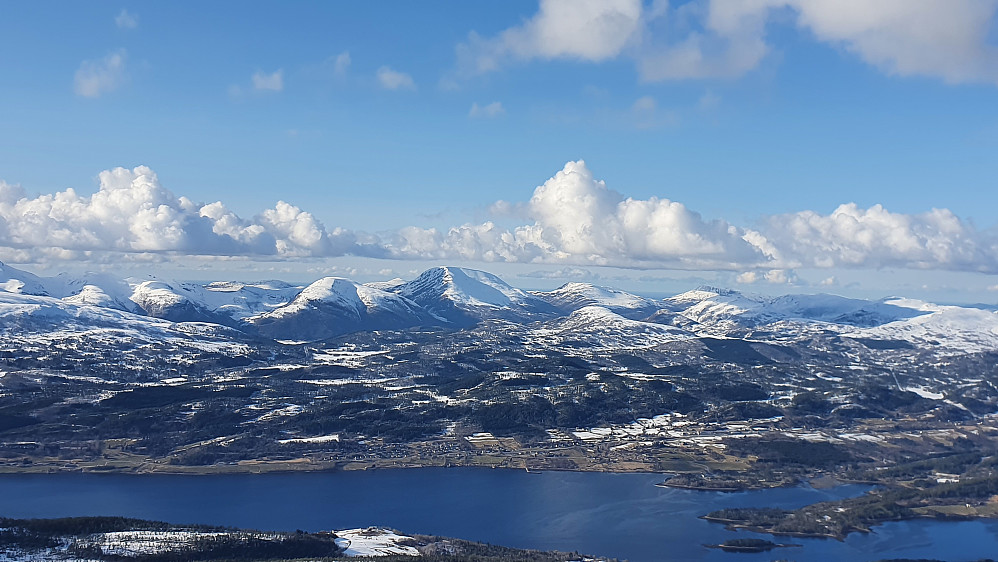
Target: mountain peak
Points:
x,y
464,296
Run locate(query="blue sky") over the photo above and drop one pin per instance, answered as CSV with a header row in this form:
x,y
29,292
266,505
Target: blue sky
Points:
x,y
760,119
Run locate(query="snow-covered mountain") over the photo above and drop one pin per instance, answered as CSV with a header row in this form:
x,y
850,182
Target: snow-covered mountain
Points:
x,y
959,328
597,327
464,297
333,305
574,296
454,298
13,280
161,299
727,309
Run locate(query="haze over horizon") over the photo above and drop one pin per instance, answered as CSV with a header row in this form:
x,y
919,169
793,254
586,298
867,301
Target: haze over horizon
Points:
x,y
776,146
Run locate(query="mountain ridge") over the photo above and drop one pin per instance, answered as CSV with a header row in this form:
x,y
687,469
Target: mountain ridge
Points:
x,y
454,298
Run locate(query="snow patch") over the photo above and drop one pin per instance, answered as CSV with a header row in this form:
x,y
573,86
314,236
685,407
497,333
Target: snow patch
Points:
x,y
374,541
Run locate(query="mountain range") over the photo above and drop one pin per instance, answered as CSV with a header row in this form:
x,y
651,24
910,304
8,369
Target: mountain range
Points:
x,y
454,298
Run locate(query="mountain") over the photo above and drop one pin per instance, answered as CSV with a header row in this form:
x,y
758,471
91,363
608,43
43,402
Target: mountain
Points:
x,y
574,296
333,306
13,280
455,298
725,309
191,374
464,297
177,303
961,329
597,327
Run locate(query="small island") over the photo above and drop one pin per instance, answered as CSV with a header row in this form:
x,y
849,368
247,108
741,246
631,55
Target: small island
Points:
x,y
749,545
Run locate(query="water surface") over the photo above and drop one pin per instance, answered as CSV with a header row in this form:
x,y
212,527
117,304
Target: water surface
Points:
x,y
621,515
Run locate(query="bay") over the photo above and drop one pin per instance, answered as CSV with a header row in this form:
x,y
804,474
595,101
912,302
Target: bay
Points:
x,y
620,515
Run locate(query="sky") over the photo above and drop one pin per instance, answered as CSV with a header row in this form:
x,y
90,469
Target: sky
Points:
x,y
773,146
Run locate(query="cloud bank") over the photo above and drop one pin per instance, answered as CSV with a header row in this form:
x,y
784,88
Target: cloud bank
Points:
x,y
706,39
572,219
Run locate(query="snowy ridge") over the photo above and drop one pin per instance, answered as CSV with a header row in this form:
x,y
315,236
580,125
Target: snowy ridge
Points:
x,y
350,297
14,280
464,296
968,330
457,298
574,296
463,287
333,305
603,329
733,309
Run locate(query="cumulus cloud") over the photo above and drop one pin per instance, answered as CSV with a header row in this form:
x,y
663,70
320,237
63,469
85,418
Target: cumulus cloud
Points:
x,y
132,213
875,237
705,39
272,82
493,109
95,78
578,220
394,80
126,20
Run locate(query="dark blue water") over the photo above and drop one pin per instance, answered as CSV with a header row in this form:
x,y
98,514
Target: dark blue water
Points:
x,y
621,515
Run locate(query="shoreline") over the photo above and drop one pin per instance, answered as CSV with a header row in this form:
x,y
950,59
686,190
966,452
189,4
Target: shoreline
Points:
x,y
284,467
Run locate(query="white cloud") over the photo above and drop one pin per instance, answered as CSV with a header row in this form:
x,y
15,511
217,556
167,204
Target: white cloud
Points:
x,y
854,237
395,80
705,39
95,78
132,213
493,109
590,30
949,40
273,82
126,20
577,220
341,63
780,277
502,209
773,276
